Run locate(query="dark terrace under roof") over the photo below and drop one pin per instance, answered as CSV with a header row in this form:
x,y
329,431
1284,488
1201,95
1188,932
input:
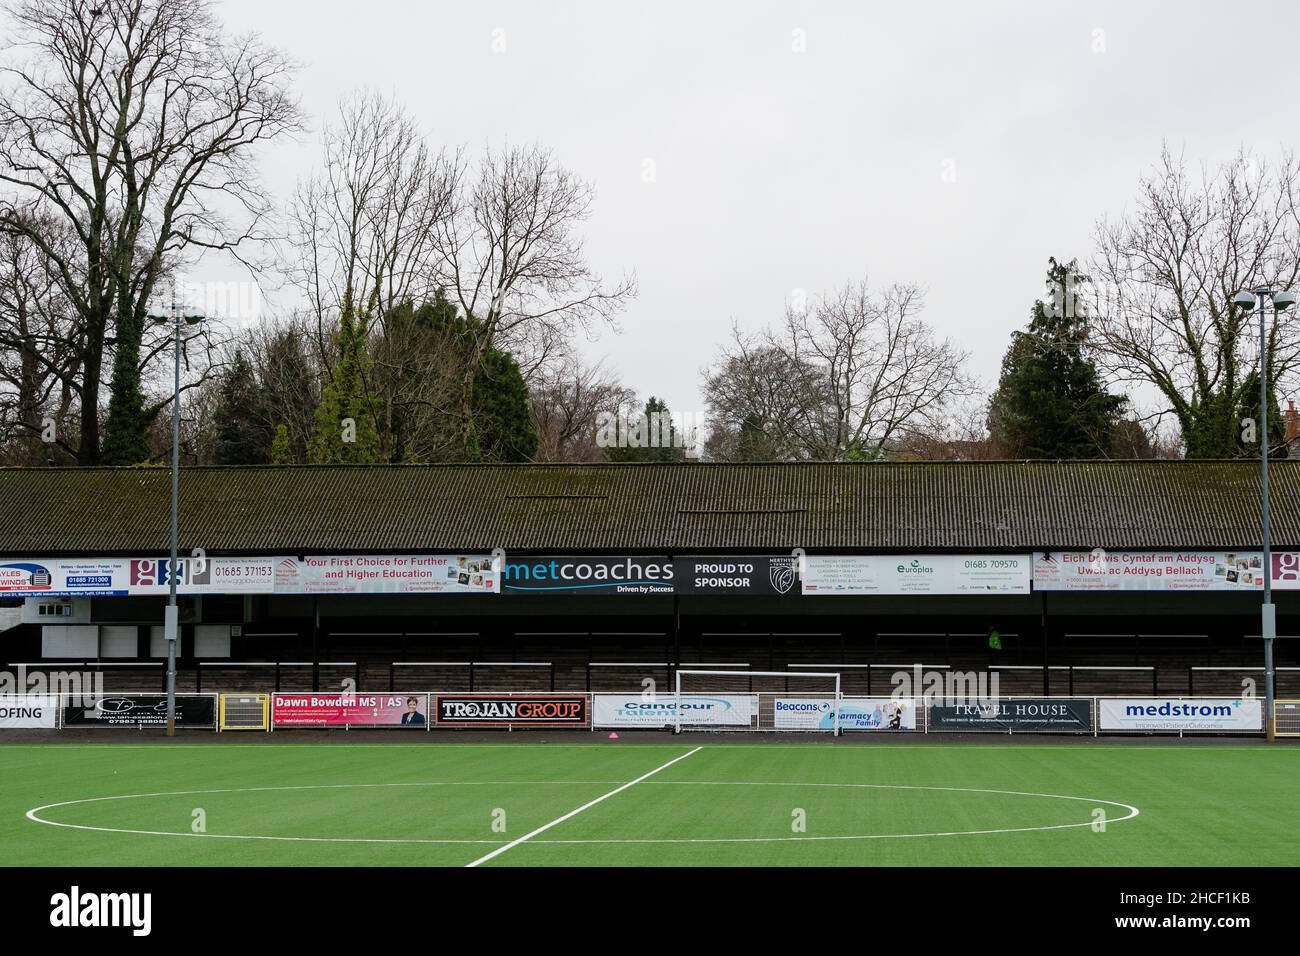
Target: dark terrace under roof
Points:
x,y
914,506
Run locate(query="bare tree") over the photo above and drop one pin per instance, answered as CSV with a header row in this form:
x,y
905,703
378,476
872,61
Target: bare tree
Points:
x,y
847,378
133,126
36,363
568,399
365,225
759,397
512,256
1166,272
961,435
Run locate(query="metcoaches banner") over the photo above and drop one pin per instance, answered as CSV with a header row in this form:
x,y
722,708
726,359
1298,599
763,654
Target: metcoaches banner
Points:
x,y
29,712
561,574
1037,714
352,710
1179,714
502,710
856,713
636,710
1162,571
917,574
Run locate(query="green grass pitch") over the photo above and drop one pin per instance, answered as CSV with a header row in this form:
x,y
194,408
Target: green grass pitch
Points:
x,y
725,804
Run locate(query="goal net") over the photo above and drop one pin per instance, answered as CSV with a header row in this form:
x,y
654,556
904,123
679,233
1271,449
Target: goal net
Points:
x,y
723,700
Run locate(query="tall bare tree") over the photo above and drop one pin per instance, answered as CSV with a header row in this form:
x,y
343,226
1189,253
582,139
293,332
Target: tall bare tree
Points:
x,y
366,226
513,257
132,125
847,378
1166,272
366,223
35,361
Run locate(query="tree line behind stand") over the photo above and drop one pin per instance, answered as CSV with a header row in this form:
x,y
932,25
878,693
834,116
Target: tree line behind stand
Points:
x,y
440,297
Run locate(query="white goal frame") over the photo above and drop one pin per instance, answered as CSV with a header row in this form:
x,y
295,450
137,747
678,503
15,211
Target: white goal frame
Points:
x,y
677,691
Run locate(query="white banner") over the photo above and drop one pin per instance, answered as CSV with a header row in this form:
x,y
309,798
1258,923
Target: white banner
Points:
x,y
388,573
1162,570
1174,714
635,710
877,713
30,711
917,574
856,713
120,577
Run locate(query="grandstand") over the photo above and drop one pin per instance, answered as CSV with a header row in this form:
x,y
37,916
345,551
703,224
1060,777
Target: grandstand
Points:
x,y
1157,642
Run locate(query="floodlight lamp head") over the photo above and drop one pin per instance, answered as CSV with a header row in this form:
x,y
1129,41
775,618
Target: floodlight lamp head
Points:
x,y
1245,300
1284,300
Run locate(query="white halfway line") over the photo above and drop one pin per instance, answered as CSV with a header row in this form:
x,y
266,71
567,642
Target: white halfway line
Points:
x,y
586,806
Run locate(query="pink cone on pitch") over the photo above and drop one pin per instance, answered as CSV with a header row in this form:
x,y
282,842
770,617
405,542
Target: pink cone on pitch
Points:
x,y
613,736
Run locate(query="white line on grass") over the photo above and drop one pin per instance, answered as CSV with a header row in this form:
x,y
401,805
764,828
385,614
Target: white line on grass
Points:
x,y
586,806
35,817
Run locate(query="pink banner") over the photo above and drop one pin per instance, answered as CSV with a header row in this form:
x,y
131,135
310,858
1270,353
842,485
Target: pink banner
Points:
x,y
355,710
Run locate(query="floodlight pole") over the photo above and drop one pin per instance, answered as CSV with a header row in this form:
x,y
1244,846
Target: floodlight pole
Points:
x,y
177,315
1268,611
172,616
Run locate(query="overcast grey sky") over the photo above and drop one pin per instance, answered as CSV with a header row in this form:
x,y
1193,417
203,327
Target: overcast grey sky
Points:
x,y
778,170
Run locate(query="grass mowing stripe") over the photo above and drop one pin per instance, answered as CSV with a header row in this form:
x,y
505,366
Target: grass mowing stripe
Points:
x,y
586,806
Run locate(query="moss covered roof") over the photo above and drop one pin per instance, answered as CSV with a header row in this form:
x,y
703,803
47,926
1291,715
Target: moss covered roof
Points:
x,y
912,506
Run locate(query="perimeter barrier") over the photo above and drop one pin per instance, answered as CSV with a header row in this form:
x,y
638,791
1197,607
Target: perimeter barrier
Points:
x,y
697,710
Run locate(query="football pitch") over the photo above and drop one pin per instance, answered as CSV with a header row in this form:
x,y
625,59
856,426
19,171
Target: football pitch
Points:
x,y
698,802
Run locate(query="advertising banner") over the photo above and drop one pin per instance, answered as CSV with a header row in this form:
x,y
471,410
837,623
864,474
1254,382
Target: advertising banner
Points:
x,y
759,574
343,574
1030,715
121,577
201,575
918,574
1162,570
504,710
350,710
636,710
388,574
557,574
29,712
143,710
856,713
1179,714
